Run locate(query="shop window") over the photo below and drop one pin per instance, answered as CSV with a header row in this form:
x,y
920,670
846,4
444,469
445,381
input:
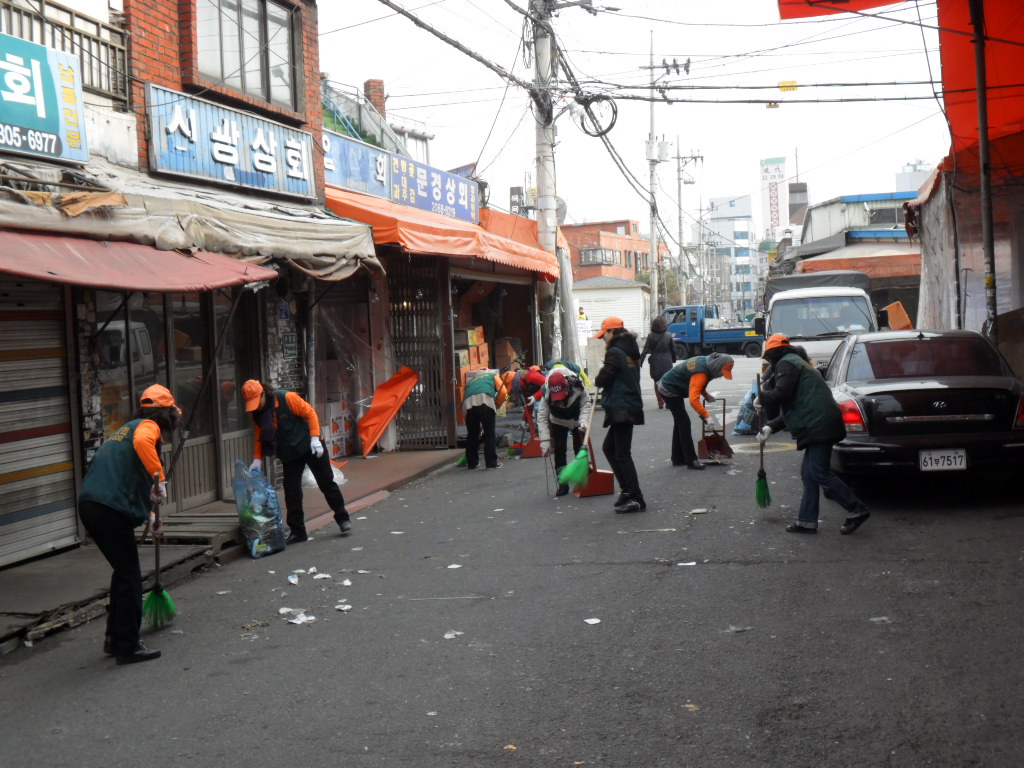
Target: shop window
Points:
x,y
190,362
235,363
249,46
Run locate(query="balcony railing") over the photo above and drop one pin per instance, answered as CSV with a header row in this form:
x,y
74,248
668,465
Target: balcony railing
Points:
x,y
101,48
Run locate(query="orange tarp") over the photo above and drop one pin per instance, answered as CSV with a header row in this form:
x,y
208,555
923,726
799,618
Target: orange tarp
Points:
x,y
387,400
799,9
876,260
423,232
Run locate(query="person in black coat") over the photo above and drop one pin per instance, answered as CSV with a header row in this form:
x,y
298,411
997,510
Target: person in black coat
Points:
x,y
662,349
619,378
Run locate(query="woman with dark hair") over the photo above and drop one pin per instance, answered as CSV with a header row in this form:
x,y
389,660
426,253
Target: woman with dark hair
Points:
x,y
288,427
662,349
125,480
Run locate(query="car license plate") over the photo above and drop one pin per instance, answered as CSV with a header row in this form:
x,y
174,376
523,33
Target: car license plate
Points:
x,y
942,461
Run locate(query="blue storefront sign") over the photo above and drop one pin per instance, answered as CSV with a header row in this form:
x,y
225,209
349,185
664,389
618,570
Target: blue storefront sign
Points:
x,y
198,139
41,108
363,168
357,166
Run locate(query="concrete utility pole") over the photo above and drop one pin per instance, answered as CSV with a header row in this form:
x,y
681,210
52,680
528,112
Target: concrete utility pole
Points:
x,y
652,159
684,259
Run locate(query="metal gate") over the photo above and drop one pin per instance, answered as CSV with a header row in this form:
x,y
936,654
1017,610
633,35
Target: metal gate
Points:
x,y
37,485
417,341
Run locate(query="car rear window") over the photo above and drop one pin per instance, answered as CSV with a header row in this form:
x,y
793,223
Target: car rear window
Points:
x,y
914,358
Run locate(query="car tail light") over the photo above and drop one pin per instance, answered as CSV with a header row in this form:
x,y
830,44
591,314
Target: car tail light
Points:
x,y
1018,423
853,419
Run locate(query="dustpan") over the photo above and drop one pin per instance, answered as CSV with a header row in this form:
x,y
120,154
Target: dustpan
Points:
x,y
713,448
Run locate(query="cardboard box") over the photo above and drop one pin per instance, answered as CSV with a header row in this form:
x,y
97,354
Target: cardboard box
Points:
x,y
474,357
483,355
465,338
461,357
463,371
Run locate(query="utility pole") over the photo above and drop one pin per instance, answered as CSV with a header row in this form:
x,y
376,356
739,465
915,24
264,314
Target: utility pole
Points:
x,y
657,152
684,260
544,113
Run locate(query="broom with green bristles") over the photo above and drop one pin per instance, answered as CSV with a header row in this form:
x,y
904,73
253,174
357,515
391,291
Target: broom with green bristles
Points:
x,y
158,608
576,473
761,490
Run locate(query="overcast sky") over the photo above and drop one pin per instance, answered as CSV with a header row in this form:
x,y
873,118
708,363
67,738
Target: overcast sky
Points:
x,y
838,148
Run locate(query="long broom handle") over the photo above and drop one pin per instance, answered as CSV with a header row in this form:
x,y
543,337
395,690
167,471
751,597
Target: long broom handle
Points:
x,y
760,416
593,407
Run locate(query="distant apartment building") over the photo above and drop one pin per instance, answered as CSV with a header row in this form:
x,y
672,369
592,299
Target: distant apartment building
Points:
x,y
738,265
609,249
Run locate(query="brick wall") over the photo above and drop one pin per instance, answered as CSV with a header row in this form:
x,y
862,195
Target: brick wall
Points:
x,y
164,51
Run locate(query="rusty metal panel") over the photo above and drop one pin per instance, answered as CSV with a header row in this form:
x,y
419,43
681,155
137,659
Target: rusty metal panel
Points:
x,y
417,341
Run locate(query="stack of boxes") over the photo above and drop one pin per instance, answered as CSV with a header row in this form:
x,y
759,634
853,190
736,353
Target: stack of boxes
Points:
x,y
471,354
339,424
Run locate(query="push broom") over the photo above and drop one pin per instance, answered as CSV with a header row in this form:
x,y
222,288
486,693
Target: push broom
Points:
x,y
761,491
575,473
158,607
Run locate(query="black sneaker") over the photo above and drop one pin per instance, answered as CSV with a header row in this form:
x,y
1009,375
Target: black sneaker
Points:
x,y
562,489
496,466
696,464
296,538
631,505
797,528
854,522
623,498
141,653
346,527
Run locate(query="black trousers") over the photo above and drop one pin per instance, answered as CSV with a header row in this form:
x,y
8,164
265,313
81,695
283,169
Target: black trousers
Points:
x,y
477,417
618,450
683,451
114,534
324,476
559,442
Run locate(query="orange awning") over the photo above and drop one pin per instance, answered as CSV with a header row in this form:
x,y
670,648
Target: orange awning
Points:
x,y
429,233
799,9
121,266
876,260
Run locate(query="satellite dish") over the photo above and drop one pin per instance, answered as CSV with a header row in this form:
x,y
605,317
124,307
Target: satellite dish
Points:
x,y
560,210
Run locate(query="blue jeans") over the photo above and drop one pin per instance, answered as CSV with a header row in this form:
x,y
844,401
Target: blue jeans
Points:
x,y
816,474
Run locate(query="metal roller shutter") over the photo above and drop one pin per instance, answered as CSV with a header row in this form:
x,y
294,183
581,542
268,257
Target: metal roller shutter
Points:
x,y
37,487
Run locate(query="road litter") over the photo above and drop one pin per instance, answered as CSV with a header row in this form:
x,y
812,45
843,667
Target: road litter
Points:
x,y
592,621
881,620
343,607
357,549
299,571
298,615
322,576
224,592
346,583
500,509
397,533
451,634
655,530
692,562
738,629
293,578
454,565
691,707
699,511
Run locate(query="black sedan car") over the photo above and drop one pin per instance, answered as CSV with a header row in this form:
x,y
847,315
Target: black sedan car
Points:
x,y
926,401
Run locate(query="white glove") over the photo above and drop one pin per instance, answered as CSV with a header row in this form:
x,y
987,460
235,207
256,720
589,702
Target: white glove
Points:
x,y
158,493
710,398
545,447
757,405
712,422
155,524
256,466
764,434
316,447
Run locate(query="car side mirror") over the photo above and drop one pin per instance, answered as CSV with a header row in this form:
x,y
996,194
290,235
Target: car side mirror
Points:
x,y
759,325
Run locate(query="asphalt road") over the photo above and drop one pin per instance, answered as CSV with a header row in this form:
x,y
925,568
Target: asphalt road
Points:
x,y
493,624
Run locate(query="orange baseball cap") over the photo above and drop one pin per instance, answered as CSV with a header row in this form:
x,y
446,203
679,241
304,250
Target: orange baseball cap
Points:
x,y
609,324
158,396
251,392
776,340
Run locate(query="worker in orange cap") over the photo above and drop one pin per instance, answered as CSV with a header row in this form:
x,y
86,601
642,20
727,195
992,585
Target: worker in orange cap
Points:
x,y
811,415
124,481
688,380
288,427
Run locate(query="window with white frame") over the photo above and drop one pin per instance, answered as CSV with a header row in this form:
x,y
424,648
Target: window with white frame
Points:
x,y
250,46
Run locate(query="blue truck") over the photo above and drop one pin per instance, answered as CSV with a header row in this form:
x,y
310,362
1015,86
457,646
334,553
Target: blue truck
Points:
x,y
698,329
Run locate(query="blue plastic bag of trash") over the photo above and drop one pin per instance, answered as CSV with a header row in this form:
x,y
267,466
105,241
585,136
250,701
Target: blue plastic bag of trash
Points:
x,y
259,512
746,419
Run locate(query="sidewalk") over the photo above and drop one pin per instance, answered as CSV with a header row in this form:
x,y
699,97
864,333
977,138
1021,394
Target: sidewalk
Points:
x,y
71,587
